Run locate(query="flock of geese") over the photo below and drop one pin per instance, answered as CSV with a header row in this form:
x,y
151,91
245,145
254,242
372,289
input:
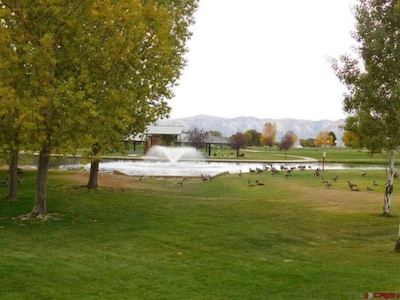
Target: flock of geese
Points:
x,y
287,172
318,172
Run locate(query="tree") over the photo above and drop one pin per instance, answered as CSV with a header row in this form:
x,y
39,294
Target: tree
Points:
x,y
215,133
145,63
350,140
268,136
306,143
14,128
253,137
239,140
287,141
333,137
197,137
372,80
91,71
323,139
16,109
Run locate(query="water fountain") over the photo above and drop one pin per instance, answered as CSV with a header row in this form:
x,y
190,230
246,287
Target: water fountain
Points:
x,y
173,154
169,161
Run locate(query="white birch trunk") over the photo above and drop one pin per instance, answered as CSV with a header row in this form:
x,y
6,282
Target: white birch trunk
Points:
x,y
387,200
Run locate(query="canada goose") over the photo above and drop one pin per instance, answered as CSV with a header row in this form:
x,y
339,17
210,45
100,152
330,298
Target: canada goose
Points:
x,y
274,171
328,184
259,170
259,183
353,186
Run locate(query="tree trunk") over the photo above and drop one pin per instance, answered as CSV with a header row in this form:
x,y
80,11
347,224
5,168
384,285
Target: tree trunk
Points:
x,y
40,208
13,176
94,172
94,167
397,246
387,200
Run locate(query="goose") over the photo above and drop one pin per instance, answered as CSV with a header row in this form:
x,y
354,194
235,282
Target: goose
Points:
x,y
353,186
328,184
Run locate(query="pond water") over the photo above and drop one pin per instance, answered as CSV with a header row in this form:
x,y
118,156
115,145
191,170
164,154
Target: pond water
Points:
x,y
199,168
185,161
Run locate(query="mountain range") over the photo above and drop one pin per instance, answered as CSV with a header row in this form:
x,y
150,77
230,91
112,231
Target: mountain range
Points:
x,y
304,129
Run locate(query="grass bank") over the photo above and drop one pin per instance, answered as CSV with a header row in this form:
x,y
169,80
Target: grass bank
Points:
x,y
150,238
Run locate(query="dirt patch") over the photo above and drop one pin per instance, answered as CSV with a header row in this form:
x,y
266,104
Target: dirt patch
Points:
x,y
118,181
106,180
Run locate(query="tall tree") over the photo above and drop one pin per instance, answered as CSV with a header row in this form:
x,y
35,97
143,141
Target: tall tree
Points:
x,y
253,137
350,140
324,139
288,141
197,137
238,141
305,143
15,106
92,70
333,137
145,47
372,79
268,135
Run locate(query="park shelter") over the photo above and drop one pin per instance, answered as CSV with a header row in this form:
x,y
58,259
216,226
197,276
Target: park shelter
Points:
x,y
210,141
171,135
158,135
155,135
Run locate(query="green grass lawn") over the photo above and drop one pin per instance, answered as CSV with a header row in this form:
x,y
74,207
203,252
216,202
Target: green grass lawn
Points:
x,y
289,239
332,154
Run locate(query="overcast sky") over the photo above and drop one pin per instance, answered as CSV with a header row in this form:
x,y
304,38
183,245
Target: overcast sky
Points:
x,y
265,58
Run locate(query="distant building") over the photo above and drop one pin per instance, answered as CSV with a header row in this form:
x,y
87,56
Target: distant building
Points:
x,y
170,135
155,135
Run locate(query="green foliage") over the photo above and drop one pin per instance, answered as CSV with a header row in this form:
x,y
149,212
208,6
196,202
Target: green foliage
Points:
x,y
86,73
373,100
307,142
253,137
218,239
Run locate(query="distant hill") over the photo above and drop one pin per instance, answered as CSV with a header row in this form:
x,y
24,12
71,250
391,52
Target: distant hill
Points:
x,y
228,126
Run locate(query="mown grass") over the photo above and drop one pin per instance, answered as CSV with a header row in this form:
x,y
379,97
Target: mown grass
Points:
x,y
332,154
292,238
